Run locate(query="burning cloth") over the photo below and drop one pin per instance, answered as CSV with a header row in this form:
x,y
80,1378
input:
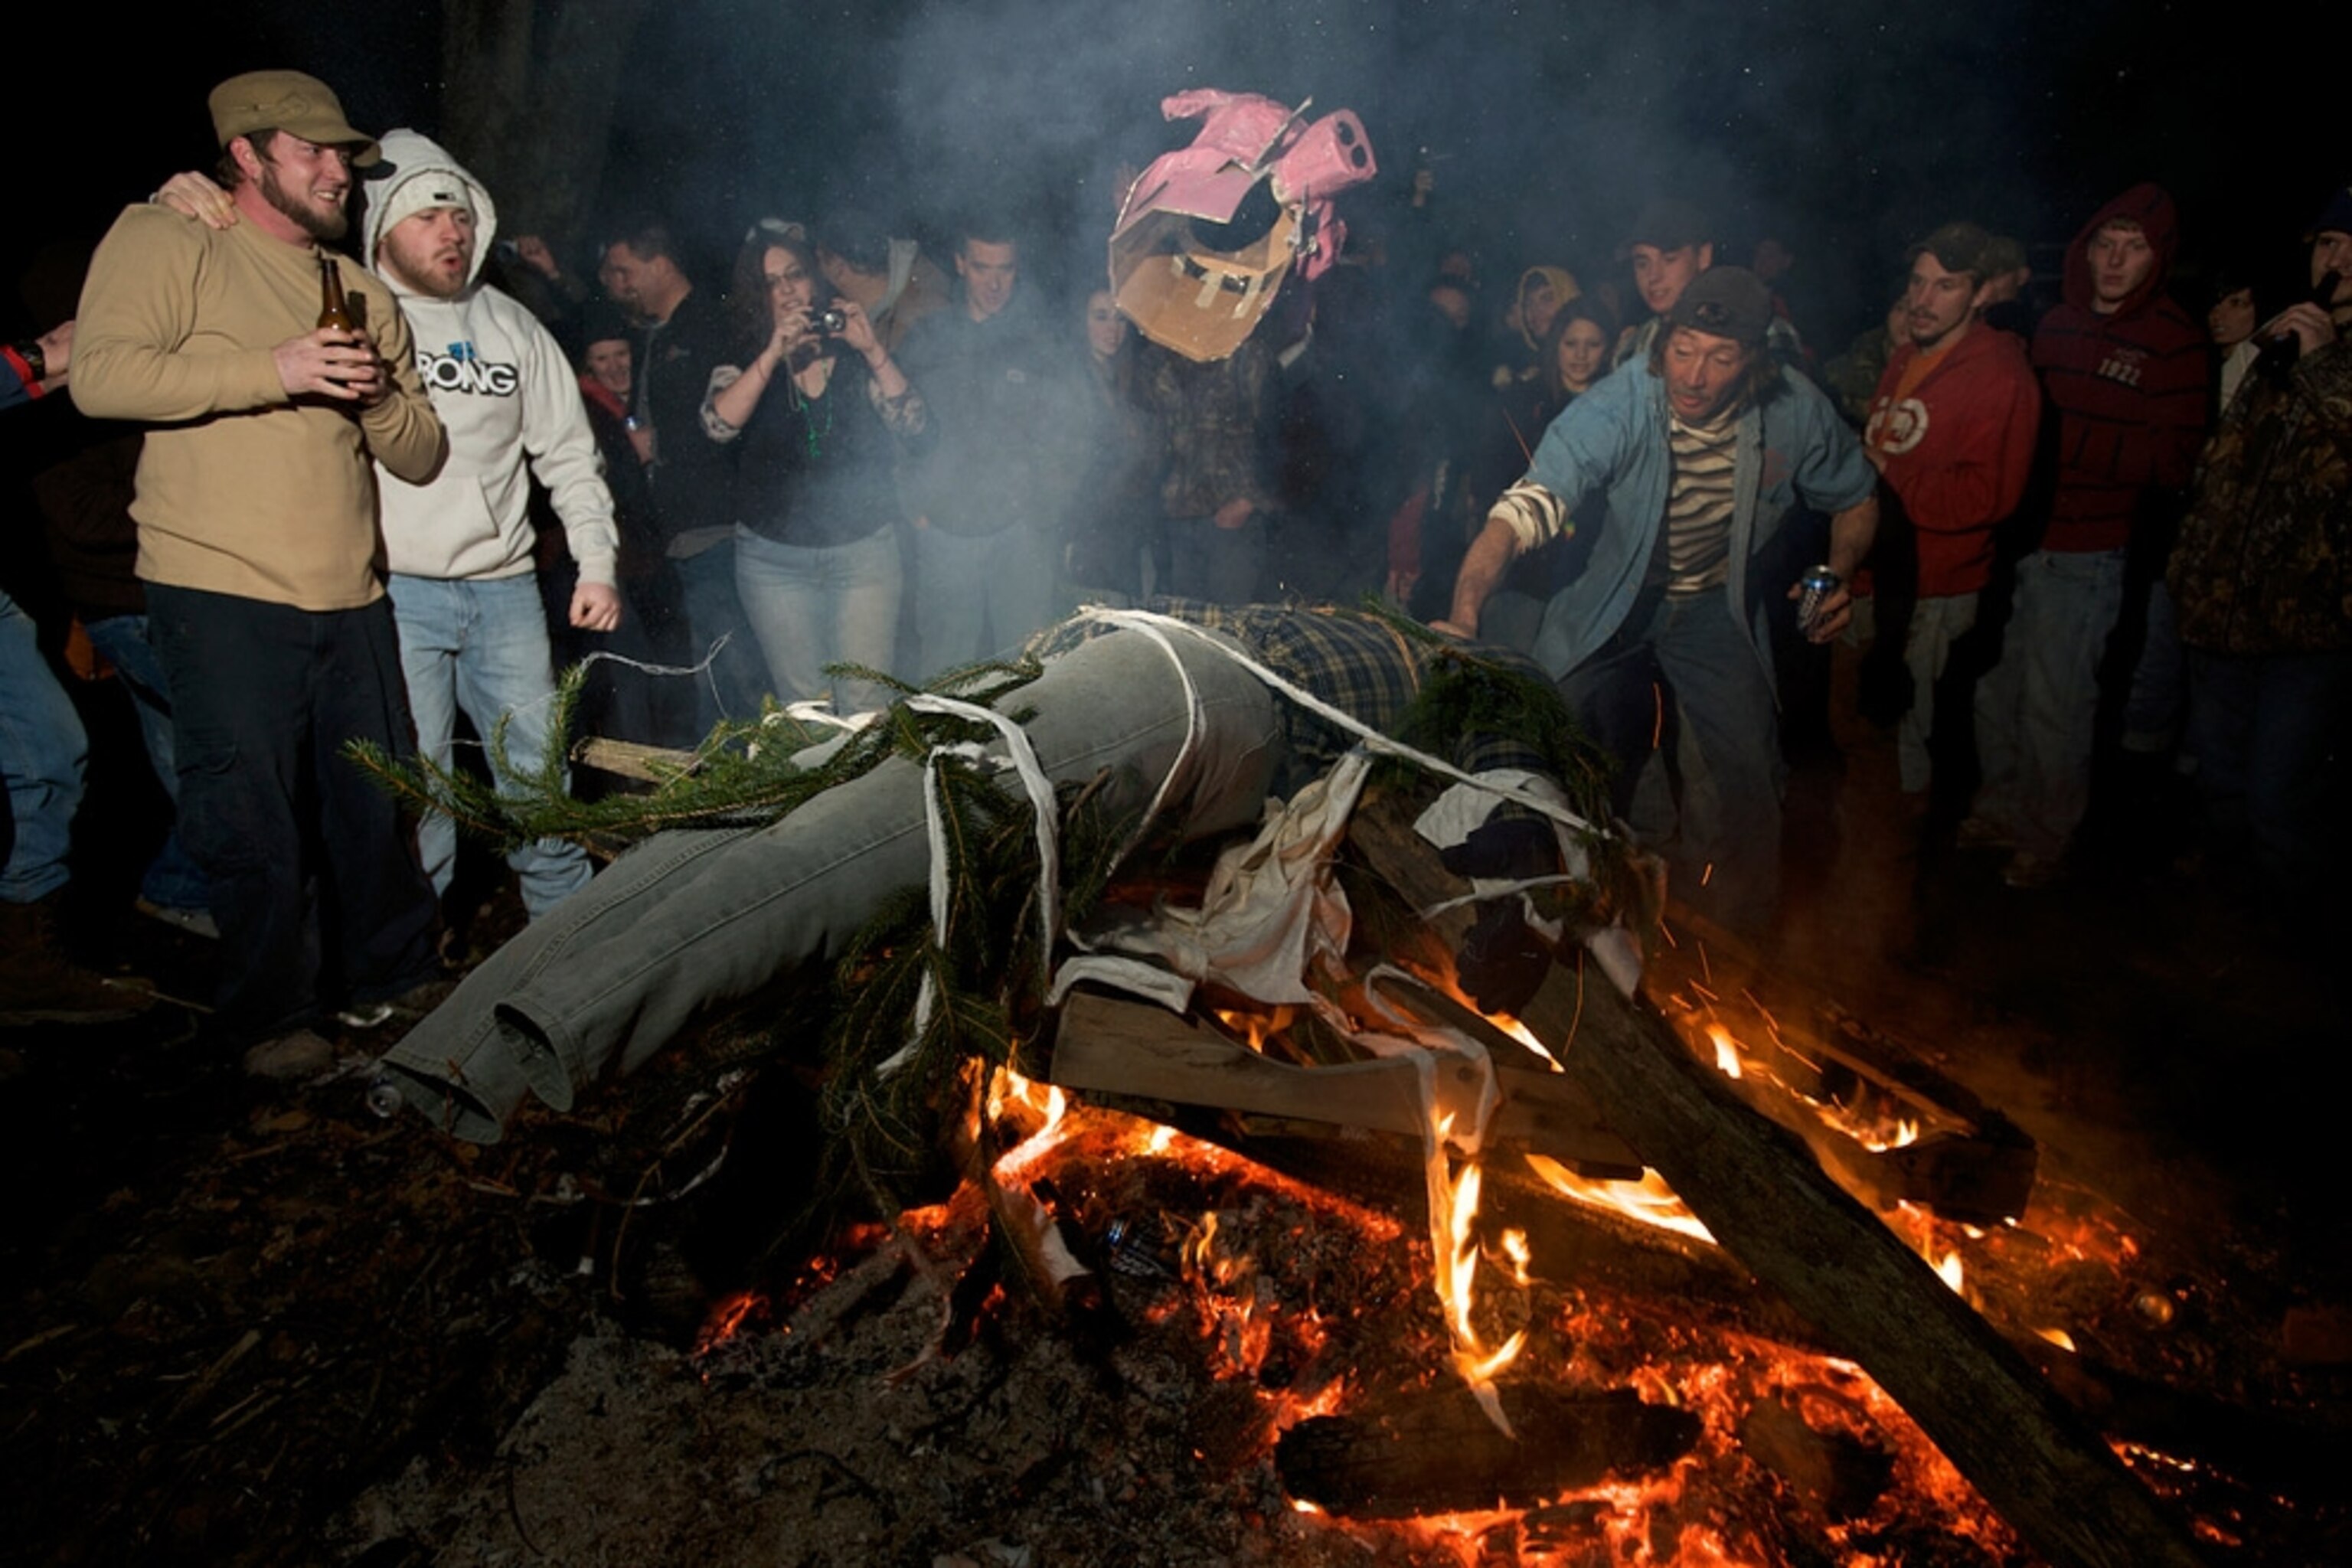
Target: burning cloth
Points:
x,y
1192,719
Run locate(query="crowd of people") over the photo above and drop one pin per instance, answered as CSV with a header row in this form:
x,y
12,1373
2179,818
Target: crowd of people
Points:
x,y
841,465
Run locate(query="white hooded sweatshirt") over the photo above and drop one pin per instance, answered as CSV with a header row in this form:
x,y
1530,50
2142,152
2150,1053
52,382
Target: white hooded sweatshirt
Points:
x,y
507,396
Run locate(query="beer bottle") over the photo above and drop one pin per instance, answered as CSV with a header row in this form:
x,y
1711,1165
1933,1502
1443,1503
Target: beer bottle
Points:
x,y
334,311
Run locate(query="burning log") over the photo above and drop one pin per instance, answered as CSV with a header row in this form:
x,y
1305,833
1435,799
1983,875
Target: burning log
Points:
x,y
1769,1202
1436,1452
1136,1048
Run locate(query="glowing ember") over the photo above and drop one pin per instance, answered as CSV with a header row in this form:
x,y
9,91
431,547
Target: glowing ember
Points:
x,y
1727,1050
727,1320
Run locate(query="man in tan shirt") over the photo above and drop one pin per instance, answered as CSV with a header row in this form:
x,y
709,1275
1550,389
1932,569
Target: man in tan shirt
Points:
x,y
258,542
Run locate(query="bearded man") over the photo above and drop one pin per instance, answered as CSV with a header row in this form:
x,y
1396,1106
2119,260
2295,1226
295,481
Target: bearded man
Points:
x,y
257,505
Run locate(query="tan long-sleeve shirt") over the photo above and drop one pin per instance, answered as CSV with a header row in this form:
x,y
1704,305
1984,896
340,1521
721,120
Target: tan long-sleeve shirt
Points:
x,y
241,490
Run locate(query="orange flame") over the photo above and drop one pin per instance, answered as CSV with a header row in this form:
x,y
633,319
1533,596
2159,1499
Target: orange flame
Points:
x,y
1646,1202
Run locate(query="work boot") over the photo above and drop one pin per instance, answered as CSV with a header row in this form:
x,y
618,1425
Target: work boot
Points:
x,y
39,984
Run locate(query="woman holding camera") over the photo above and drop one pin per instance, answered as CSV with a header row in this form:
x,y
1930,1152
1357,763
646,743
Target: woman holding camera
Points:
x,y
817,415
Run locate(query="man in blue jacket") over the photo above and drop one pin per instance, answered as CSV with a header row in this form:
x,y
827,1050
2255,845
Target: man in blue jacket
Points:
x,y
1697,453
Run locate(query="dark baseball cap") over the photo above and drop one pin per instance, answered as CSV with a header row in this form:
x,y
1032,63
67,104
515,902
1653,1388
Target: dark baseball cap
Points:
x,y
1726,301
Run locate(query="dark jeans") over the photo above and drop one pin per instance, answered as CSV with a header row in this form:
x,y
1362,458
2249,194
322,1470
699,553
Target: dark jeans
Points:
x,y
264,697
1726,859
2268,732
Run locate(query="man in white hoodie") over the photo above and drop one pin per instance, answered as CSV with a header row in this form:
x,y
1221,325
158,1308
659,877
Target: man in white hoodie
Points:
x,y
465,595
473,632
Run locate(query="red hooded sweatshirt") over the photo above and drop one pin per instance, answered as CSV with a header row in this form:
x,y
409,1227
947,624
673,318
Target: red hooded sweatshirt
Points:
x,y
2128,386
1960,449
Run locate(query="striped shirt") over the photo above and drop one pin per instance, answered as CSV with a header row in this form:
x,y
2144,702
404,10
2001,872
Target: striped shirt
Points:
x,y
1697,535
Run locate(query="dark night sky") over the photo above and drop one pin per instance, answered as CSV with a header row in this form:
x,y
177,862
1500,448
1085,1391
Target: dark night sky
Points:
x,y
1848,127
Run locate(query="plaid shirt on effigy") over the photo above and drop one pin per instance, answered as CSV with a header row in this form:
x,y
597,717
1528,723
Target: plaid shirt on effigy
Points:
x,y
1357,662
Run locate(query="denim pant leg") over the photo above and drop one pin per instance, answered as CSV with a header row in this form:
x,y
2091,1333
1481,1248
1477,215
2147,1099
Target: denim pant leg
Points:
x,y
730,687
430,614
504,675
42,754
691,919
950,597
789,604
869,582
2069,604
2159,682
1021,586
172,880
1936,624
2267,731
378,916
1731,831
264,699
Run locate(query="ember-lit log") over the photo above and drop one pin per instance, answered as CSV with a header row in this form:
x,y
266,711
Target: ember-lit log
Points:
x,y
1437,1452
1765,1198
1137,1049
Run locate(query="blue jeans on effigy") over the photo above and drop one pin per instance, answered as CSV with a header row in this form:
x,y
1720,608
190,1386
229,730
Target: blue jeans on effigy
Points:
x,y
42,751
2035,710
978,595
172,880
1726,858
691,920
482,645
812,605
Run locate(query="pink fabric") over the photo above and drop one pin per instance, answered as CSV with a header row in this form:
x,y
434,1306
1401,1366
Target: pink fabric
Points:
x,y
1244,138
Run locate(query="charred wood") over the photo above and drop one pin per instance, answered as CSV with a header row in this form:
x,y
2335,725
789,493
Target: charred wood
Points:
x,y
1436,1452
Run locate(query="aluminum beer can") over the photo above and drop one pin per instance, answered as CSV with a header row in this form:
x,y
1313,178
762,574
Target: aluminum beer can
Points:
x,y
1817,584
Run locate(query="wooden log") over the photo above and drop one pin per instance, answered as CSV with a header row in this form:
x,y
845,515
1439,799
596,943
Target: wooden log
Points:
x,y
1771,1205
1113,1046
1435,1452
631,759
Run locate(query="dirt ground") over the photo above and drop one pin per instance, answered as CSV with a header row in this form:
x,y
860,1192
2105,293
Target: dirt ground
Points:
x,y
253,1324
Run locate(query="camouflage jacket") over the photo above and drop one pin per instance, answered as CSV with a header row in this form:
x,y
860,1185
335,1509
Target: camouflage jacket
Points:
x,y
2264,563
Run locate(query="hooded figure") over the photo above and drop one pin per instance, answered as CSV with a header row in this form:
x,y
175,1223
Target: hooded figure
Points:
x,y
503,390
2123,377
2125,370
465,594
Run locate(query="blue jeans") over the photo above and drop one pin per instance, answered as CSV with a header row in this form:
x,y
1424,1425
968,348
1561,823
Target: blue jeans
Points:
x,y
1726,856
172,878
2268,732
811,605
978,596
42,751
730,687
2036,708
313,874
698,917
482,645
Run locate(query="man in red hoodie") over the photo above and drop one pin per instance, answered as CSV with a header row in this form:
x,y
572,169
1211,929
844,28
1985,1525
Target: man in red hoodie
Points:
x,y
1951,433
2126,369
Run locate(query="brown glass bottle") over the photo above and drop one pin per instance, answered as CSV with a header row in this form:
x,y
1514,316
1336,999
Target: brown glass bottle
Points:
x,y
334,311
